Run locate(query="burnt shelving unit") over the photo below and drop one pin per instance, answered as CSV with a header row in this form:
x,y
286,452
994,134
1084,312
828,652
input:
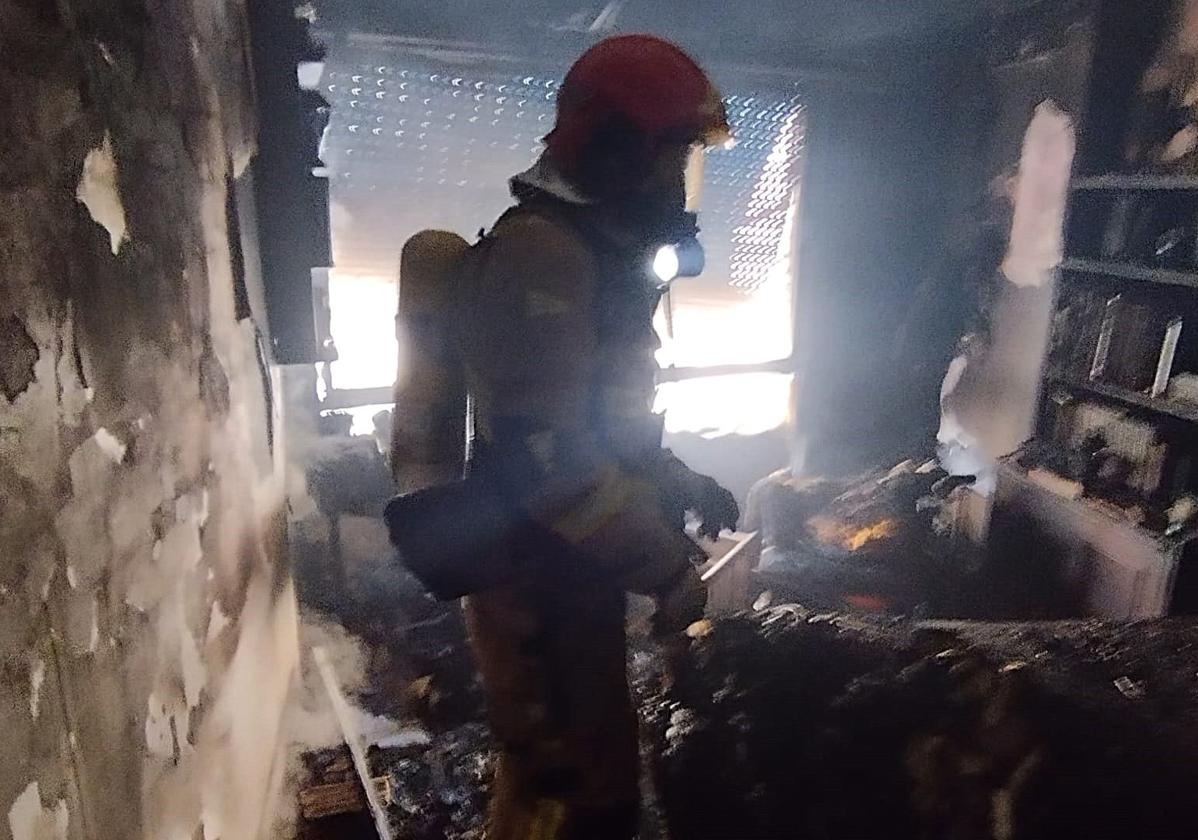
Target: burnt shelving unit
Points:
x,y
1125,330
1118,409
1127,398
1118,416
1120,270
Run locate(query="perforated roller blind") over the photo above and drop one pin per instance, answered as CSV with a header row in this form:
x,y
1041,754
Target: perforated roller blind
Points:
x,y
415,143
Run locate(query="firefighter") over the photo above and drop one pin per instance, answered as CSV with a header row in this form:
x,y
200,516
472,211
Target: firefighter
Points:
x,y
558,349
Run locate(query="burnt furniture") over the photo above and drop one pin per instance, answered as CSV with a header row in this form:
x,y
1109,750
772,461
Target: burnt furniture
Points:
x,y
1099,509
1106,486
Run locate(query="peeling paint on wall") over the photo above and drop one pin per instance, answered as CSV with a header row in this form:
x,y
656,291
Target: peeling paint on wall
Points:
x,y
195,675
82,627
141,505
110,446
98,192
28,820
37,676
159,740
1037,235
217,622
989,394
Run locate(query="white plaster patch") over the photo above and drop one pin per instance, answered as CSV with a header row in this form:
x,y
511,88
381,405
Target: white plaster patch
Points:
x,y
37,676
93,639
72,577
181,547
28,820
42,566
952,378
73,399
195,674
242,158
62,820
98,192
91,471
110,445
192,507
217,622
1037,237
240,741
158,728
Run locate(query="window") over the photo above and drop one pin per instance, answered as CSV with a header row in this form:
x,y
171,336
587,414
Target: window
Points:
x,y
418,142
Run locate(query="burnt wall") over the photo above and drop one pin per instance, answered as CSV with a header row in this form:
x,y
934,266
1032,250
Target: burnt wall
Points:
x,y
1040,71
148,622
902,230
888,158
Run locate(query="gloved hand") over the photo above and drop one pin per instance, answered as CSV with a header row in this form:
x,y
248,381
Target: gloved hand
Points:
x,y
680,604
715,506
682,489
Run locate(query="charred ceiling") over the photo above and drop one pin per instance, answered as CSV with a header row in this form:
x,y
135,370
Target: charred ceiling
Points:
x,y
775,32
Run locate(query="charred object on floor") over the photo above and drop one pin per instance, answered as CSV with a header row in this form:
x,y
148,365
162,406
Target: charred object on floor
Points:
x,y
434,790
785,723
884,541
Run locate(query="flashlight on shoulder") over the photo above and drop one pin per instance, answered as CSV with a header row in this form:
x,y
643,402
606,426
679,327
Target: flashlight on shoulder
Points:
x,y
683,255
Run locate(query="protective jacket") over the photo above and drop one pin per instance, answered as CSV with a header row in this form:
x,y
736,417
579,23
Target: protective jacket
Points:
x,y
558,346
570,501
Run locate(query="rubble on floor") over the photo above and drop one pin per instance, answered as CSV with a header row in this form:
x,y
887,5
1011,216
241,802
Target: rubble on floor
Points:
x,y
789,724
426,748
432,789
783,722
439,789
883,541
419,671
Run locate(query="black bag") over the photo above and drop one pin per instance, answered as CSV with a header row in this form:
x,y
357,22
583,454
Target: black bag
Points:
x,y
467,536
457,539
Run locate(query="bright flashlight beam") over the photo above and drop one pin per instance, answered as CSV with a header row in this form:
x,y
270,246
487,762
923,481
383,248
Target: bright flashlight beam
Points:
x,y
665,263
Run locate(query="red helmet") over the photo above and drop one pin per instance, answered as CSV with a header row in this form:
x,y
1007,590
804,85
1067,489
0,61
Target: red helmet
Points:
x,y
643,79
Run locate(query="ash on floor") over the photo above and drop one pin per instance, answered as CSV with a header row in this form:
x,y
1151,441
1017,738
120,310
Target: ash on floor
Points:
x,y
439,789
789,724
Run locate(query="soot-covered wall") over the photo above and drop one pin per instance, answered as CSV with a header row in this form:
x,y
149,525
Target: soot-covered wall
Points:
x,y
891,159
905,225
147,621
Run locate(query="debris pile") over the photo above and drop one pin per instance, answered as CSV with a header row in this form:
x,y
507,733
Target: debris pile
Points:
x,y
421,672
439,788
881,541
789,724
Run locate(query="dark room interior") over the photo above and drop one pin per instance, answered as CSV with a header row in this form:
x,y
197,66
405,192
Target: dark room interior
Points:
x,y
563,420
